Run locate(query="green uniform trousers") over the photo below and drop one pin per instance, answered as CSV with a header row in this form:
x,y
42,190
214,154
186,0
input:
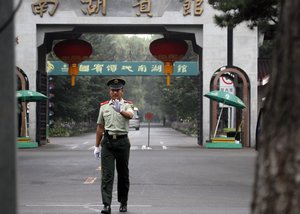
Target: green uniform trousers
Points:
x,y
113,154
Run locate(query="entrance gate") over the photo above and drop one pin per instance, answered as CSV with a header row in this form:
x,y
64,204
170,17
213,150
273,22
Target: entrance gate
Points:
x,y
123,68
190,20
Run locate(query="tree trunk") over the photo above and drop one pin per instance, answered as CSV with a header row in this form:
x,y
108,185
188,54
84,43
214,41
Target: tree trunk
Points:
x,y
277,178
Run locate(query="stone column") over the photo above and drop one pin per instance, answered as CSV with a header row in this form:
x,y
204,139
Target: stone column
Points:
x,y
8,196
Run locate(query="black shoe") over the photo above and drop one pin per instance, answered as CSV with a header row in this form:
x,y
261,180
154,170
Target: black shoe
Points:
x,y
106,209
123,208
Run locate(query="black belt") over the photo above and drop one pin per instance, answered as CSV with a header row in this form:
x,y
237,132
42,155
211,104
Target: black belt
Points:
x,y
116,137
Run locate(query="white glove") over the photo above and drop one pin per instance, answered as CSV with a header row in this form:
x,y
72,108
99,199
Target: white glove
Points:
x,y
117,106
97,152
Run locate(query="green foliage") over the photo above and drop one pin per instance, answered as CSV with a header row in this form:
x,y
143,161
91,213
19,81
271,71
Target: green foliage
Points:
x,y
79,103
257,12
179,101
263,14
265,51
63,128
188,128
59,129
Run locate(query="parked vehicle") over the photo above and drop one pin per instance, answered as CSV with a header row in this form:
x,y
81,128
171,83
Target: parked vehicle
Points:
x,y
135,121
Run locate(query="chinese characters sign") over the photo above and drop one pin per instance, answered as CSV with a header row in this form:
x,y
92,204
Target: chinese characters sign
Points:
x,y
144,7
41,7
94,7
123,68
187,4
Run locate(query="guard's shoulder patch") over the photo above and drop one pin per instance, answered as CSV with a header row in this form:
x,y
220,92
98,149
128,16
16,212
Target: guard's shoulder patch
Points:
x,y
128,101
103,103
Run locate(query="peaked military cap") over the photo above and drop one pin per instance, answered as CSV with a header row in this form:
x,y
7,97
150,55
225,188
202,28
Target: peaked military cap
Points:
x,y
116,83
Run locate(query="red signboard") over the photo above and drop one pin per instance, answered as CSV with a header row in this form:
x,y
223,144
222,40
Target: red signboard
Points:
x,y
149,116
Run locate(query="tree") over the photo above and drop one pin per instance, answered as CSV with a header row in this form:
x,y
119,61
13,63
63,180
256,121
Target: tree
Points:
x,y
80,103
257,12
277,188
180,101
277,176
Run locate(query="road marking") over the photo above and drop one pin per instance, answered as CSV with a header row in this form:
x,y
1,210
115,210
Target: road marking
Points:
x,y
91,148
92,209
86,142
74,147
90,180
163,146
144,147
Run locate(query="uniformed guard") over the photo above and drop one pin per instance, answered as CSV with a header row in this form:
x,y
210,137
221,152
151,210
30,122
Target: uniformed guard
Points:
x,y
111,135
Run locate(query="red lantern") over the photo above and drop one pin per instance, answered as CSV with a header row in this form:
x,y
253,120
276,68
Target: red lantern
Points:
x,y
73,51
168,50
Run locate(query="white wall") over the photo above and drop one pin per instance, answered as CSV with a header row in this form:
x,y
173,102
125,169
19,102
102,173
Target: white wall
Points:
x,y
245,54
214,57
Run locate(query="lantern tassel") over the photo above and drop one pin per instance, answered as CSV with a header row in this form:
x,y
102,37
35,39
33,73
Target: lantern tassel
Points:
x,y
73,80
168,70
168,79
73,72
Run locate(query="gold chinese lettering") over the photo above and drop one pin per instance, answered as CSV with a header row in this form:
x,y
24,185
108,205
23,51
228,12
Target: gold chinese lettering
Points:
x,y
84,68
142,68
182,69
65,68
50,66
127,67
41,7
186,7
111,68
94,6
156,68
98,68
144,7
198,10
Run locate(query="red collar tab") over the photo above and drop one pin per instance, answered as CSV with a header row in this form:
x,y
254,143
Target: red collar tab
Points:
x,y
103,103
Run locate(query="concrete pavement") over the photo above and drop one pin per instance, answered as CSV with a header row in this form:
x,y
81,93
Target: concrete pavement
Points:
x,y
64,177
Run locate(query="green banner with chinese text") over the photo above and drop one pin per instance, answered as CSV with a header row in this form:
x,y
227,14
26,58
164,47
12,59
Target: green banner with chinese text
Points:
x,y
145,68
